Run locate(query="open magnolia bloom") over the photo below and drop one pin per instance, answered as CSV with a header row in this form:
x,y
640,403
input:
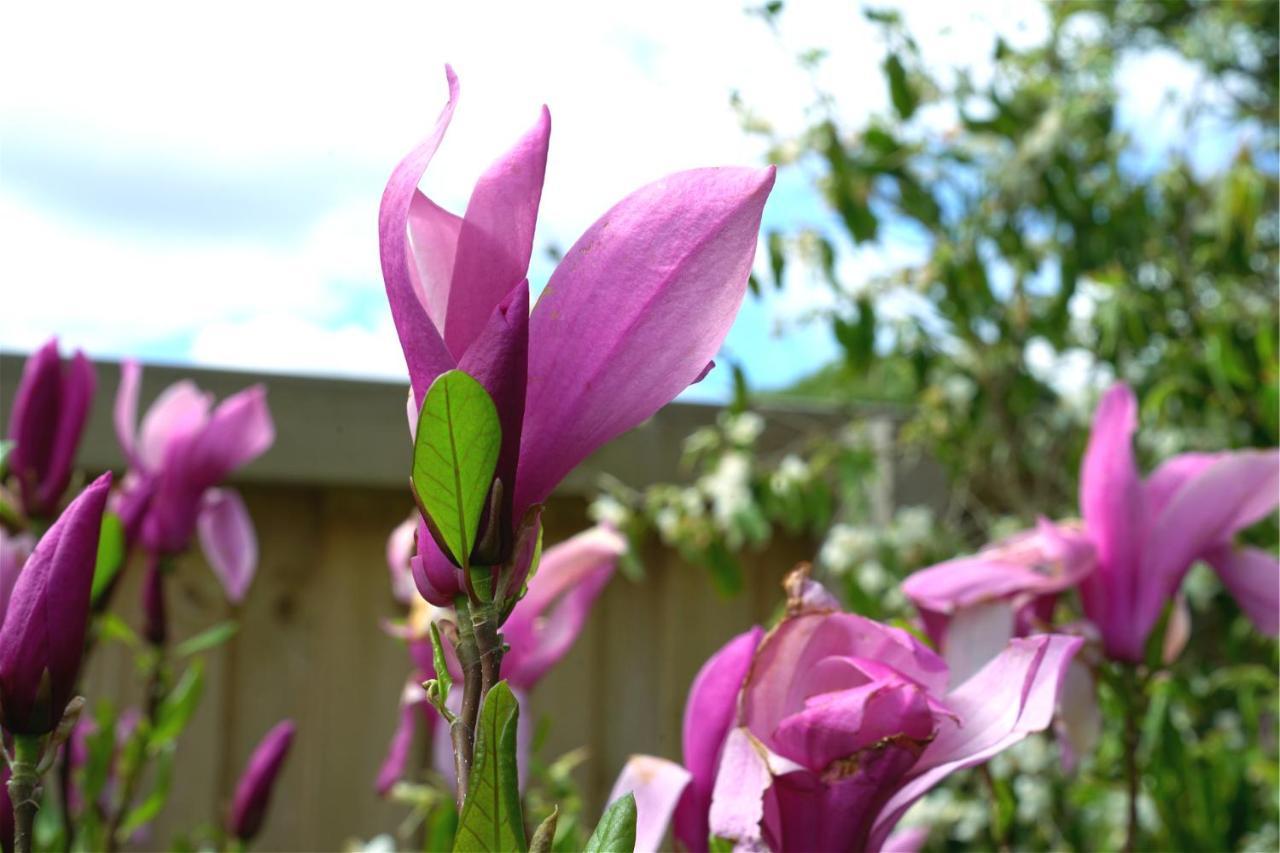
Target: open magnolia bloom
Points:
x,y
821,733
540,631
185,448
632,315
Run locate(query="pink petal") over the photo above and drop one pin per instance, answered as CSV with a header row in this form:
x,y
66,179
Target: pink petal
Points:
x,y
424,349
1207,511
437,579
1170,476
975,636
240,430
837,725
433,244
125,411
1008,699
79,382
179,411
544,625
708,716
412,702
656,783
1252,576
400,548
1111,503
909,840
229,541
496,239
633,314
737,804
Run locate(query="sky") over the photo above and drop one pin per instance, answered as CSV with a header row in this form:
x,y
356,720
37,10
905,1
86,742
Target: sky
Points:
x,y
199,184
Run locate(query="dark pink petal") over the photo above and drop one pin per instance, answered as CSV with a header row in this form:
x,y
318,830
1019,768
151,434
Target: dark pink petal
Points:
x,y
544,625
78,385
1112,506
657,784
239,431
834,726
1207,511
42,638
438,580
229,541
1252,576
497,359
424,349
14,551
633,314
496,239
1170,476
433,243
708,716
253,793
1011,697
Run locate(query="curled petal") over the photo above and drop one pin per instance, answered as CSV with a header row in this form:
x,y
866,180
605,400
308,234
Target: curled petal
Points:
x,y
433,243
675,256
975,636
253,792
496,239
544,625
1079,719
657,784
424,349
412,702
180,410
229,541
125,411
1252,576
1012,696
437,579
400,548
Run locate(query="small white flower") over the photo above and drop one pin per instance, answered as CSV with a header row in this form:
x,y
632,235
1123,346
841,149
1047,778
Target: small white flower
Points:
x,y
667,520
913,525
607,509
845,546
872,577
792,472
744,429
728,487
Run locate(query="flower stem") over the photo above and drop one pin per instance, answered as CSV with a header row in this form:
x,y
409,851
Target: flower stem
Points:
x,y
24,783
1134,700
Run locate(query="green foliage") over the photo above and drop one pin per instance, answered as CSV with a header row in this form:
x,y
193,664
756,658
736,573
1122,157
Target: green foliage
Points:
x,y
491,818
616,832
111,554
454,457
210,638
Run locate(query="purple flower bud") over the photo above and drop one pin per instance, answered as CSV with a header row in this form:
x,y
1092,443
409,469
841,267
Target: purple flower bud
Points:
x,y
48,418
253,793
42,638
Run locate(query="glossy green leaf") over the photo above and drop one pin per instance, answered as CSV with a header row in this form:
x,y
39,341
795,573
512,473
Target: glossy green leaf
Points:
x,y
491,819
111,554
177,707
616,831
454,457
209,638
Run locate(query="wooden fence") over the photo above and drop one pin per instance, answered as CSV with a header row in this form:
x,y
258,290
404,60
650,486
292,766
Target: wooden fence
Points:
x,y
310,646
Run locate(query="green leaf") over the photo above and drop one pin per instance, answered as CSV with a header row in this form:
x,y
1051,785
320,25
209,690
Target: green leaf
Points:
x,y
6,447
149,808
207,639
454,458
178,705
901,92
443,679
616,831
491,818
112,627
111,553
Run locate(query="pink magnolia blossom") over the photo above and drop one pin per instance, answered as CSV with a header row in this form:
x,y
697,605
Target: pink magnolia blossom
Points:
x,y
632,315
820,734
50,409
185,448
1148,533
540,631
253,791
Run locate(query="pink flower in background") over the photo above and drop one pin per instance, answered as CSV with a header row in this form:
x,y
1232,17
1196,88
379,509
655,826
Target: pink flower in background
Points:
x,y
540,631
632,315
1148,533
971,606
185,448
50,409
820,734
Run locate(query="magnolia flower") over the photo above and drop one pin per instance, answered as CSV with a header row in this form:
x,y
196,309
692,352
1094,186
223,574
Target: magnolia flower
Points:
x,y
971,606
1148,533
540,631
253,792
632,316
50,409
184,449
820,734
42,638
